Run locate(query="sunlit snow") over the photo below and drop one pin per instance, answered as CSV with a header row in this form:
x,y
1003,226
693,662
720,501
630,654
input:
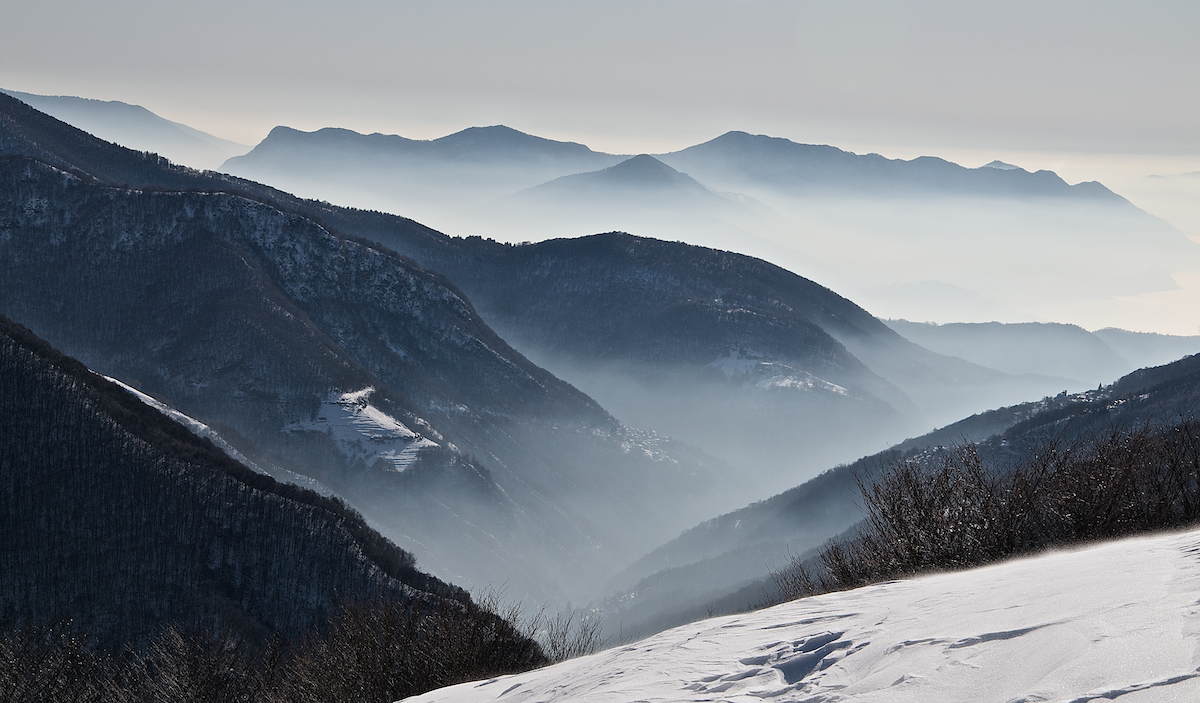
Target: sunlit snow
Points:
x,y
364,432
1117,621
197,428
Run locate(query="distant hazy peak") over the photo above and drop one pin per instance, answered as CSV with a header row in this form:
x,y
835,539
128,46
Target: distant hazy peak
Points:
x,y
639,172
643,163
998,164
501,134
744,141
134,127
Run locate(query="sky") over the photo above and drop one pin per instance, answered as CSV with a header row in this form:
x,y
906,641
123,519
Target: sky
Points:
x,y
1093,89
649,75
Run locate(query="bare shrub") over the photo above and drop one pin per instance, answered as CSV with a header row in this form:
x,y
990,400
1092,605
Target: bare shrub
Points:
x,y
951,510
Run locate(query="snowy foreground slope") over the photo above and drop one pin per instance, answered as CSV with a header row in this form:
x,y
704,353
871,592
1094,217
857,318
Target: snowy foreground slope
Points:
x,y
1117,621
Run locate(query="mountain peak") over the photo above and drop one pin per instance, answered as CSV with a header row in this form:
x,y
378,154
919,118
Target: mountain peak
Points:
x,y
642,174
998,164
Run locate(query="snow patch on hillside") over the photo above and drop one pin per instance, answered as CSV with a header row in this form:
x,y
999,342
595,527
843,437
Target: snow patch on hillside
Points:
x,y
744,363
1117,621
364,432
801,381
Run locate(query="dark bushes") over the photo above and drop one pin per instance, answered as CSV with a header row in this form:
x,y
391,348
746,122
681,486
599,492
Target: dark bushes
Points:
x,y
953,509
374,652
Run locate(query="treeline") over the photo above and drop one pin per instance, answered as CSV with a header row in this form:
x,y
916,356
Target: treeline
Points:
x,y
953,509
367,652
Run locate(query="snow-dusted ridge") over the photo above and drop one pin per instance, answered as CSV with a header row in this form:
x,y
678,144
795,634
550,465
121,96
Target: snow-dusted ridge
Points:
x,y
364,432
1116,621
202,430
198,428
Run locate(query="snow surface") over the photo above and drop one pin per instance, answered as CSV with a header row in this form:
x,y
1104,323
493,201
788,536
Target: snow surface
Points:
x,y
364,432
1117,621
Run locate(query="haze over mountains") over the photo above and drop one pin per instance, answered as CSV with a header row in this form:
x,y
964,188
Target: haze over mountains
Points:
x,y
478,400
887,232
252,319
723,565
923,239
1066,351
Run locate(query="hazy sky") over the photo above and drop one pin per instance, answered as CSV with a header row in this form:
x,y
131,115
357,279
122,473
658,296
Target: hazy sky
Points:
x,y
642,75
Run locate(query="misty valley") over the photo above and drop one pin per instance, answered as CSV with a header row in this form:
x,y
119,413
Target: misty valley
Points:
x,y
357,417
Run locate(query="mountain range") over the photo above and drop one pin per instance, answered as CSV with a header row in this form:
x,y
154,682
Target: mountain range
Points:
x,y
738,160
883,231
264,325
458,390
864,224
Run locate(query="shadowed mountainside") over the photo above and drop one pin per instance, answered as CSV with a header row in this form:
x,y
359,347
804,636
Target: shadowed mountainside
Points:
x,y
121,520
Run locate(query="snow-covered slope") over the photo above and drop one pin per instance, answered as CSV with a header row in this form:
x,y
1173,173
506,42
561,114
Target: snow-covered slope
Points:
x,y
365,433
1115,621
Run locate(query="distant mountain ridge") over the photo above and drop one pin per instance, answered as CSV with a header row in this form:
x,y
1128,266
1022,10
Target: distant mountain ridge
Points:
x,y
1052,349
494,276
474,144
135,127
715,348
737,159
862,223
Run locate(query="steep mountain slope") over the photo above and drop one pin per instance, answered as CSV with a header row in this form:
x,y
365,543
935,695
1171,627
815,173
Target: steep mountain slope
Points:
x,y
724,563
120,519
1113,621
136,127
271,328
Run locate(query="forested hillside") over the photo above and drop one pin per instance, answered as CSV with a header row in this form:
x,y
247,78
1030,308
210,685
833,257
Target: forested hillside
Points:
x,y
121,520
